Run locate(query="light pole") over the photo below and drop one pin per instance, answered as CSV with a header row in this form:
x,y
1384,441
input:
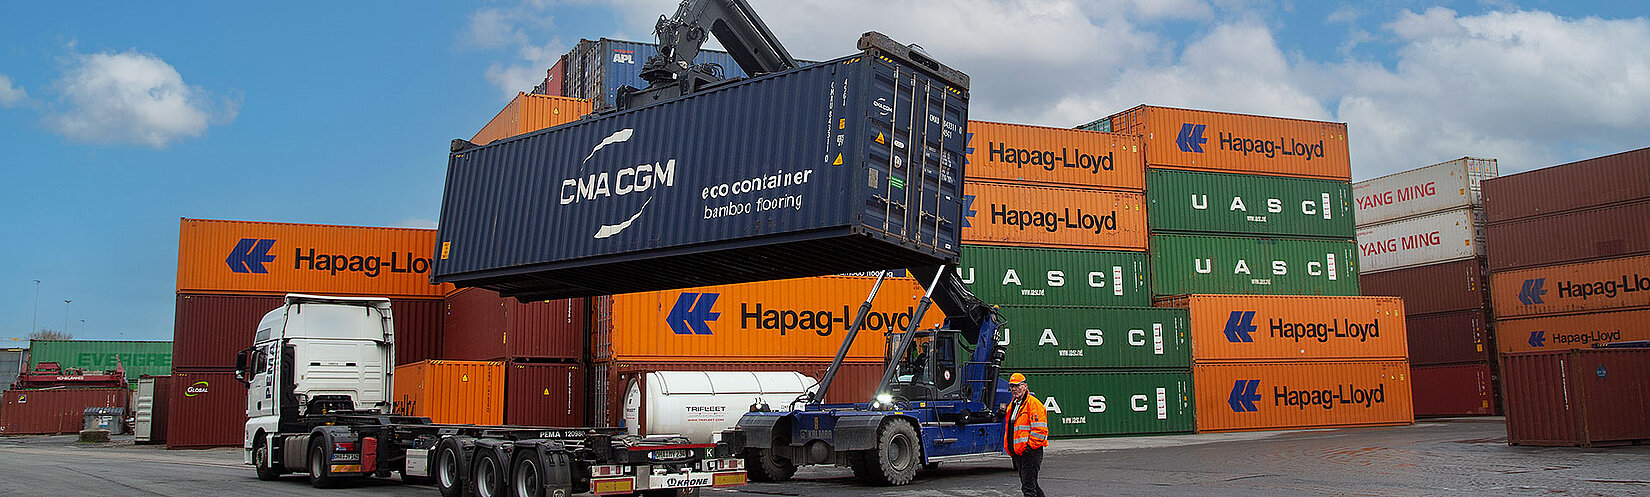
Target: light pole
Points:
x,y
82,326
35,326
65,316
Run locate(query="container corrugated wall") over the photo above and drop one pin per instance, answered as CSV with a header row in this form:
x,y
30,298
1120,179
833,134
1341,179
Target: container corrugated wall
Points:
x,y
1053,217
1099,403
208,409
1590,286
482,326
1606,232
456,392
244,257
1069,338
1186,264
1439,187
1222,142
1578,397
1454,390
800,319
1420,241
54,411
1571,331
210,329
854,382
417,330
1452,286
137,357
1036,155
540,217
544,394
1450,337
1031,276
1612,179
1284,328
1275,396
1192,201
529,112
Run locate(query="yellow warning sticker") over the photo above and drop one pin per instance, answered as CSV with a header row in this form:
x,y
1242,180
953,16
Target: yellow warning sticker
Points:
x,y
879,140
547,391
838,161
446,247
464,377
842,124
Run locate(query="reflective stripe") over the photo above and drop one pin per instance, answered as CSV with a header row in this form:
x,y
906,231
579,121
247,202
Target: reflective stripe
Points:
x,y
1021,440
1039,425
1039,436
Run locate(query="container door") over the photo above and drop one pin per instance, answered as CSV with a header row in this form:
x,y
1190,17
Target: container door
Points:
x,y
914,154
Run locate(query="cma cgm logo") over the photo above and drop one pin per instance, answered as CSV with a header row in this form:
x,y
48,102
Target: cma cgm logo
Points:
x,y
198,388
627,180
692,311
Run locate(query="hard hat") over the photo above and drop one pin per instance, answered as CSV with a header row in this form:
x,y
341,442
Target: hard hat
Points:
x,y
1016,378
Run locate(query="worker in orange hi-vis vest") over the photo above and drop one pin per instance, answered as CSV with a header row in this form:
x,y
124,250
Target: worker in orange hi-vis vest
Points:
x,y
1026,434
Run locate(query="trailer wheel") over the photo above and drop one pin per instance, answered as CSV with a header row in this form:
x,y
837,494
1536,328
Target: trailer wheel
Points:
x,y
528,478
447,477
766,466
260,462
320,472
488,476
895,459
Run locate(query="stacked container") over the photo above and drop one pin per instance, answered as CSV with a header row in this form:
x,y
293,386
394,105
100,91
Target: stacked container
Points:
x,y
1055,234
1251,232
538,345
1570,269
1421,237
136,357
596,69
231,273
531,112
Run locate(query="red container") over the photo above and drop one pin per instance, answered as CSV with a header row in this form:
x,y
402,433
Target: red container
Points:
x,y
207,409
55,411
1574,236
1450,338
478,325
1454,390
417,330
1612,179
540,394
855,381
1577,397
1451,286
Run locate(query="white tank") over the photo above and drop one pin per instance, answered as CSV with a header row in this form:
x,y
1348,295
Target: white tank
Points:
x,y
700,404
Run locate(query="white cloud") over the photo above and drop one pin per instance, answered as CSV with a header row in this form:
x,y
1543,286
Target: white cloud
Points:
x,y
11,95
512,28
493,28
1345,14
132,97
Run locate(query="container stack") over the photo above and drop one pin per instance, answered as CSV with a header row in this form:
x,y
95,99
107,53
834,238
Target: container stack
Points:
x,y
1055,234
1421,237
1569,272
596,69
1251,232
136,357
538,348
230,273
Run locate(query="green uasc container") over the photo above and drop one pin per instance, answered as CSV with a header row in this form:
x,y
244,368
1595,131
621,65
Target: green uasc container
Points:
x,y
1035,276
1071,337
1183,264
137,357
1191,201
1100,403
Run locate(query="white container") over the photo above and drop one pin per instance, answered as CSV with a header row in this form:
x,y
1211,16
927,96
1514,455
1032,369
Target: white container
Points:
x,y
1438,187
150,406
700,404
1421,240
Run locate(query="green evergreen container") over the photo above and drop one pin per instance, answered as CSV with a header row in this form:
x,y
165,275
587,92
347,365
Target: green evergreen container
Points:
x,y
1101,403
1096,337
1034,276
1191,201
138,357
1183,264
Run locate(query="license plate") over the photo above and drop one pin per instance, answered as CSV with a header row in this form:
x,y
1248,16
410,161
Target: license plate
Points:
x,y
727,479
669,454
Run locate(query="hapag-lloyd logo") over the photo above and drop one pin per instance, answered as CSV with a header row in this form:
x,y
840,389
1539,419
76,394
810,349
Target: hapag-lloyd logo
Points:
x,y
623,181
197,388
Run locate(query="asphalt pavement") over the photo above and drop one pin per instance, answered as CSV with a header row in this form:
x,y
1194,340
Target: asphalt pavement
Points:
x,y
1462,456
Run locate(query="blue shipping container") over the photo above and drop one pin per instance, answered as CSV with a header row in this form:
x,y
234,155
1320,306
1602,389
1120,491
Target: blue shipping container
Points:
x,y
597,68
849,165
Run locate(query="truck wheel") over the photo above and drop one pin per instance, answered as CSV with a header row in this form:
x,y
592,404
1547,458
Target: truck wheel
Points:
x,y
320,470
765,465
860,461
488,476
896,458
528,480
447,478
260,462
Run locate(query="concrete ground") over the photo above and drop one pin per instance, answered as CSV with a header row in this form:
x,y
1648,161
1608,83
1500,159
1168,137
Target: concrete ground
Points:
x,y
1463,456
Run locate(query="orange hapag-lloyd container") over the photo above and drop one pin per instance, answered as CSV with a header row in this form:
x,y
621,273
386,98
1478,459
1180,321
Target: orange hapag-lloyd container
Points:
x,y
1053,217
1571,331
1238,143
799,319
1588,286
1288,395
256,258
1289,328
532,112
457,392
1023,154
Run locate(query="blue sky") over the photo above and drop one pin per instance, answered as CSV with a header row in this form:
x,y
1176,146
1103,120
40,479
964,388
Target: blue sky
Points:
x,y
120,118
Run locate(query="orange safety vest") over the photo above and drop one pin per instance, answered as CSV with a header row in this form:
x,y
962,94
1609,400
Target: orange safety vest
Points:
x,y
1028,427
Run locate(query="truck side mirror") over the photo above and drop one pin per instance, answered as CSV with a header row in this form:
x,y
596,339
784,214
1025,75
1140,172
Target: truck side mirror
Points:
x,y
240,367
